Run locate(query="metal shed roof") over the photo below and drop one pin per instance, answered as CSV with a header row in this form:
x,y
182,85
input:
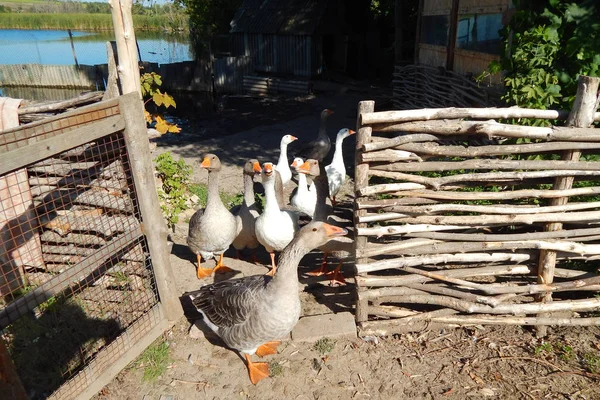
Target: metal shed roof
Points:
x,y
291,17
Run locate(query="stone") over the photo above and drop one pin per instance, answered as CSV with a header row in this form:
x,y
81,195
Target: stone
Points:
x,y
313,328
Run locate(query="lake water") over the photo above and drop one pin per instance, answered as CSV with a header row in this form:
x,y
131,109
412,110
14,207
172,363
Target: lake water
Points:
x,y
54,47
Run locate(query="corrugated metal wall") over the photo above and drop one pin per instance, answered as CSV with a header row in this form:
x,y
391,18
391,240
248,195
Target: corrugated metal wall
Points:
x,y
283,54
38,75
229,73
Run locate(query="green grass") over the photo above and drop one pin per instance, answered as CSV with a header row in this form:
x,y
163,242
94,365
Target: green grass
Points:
x,y
201,190
275,369
592,362
75,21
154,360
324,346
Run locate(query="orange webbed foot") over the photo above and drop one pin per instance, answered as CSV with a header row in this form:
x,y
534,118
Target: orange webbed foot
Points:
x,y
272,272
322,270
336,277
202,273
267,348
257,371
220,268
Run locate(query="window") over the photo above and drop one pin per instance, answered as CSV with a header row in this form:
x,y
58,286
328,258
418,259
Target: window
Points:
x,y
434,30
479,33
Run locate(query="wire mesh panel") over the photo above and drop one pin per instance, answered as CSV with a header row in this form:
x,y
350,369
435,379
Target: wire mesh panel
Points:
x,y
77,285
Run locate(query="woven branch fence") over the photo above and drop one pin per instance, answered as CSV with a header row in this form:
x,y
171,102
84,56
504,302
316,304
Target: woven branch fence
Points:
x,y
419,86
461,219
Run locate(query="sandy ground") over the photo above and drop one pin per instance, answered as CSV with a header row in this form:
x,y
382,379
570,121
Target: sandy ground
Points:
x,y
474,363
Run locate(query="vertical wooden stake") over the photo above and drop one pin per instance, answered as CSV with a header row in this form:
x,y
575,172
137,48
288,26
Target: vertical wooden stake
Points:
x,y
112,82
581,116
129,71
361,180
155,228
452,29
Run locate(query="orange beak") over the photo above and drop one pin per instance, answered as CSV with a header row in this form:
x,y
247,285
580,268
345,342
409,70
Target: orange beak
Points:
x,y
350,131
293,137
256,167
205,163
329,112
268,168
332,230
305,168
294,164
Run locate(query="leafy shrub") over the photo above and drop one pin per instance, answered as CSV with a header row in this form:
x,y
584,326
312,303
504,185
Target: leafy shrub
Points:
x,y
173,193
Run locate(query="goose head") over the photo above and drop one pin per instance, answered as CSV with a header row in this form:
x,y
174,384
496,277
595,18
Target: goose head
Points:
x,y
317,233
287,139
309,167
268,171
252,167
344,133
326,113
211,162
296,163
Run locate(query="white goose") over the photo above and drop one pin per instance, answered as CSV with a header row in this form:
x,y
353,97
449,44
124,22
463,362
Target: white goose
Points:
x,y
305,198
336,171
283,164
275,228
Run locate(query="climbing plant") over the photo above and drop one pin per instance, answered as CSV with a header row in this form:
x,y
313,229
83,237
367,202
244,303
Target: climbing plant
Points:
x,y
548,44
151,83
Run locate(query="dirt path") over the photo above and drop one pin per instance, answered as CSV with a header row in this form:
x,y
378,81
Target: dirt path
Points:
x,y
504,363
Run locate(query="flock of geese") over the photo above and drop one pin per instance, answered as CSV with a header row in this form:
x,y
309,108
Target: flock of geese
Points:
x,y
251,313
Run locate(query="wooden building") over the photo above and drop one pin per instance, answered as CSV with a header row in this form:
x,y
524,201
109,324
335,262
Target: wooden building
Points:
x,y
461,35
299,38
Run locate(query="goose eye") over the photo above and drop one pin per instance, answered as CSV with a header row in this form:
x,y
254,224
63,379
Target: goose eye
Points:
x,y
314,229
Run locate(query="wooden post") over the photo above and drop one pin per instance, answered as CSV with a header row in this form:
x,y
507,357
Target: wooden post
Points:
x,y
452,36
73,47
155,229
398,36
361,181
10,383
581,116
112,82
129,71
418,31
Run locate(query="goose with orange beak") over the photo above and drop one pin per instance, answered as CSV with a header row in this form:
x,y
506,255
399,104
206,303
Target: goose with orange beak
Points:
x,y
252,313
212,229
305,198
283,164
275,228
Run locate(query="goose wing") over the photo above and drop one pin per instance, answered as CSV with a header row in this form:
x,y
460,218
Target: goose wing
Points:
x,y
228,303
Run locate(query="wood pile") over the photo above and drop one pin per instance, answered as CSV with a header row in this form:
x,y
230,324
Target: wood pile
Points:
x,y
457,231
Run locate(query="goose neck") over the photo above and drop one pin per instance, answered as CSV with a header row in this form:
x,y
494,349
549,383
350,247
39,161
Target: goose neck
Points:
x,y
248,190
270,197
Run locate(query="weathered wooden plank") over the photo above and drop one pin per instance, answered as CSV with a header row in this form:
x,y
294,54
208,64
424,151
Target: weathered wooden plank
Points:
x,y
490,164
155,230
81,239
106,225
15,159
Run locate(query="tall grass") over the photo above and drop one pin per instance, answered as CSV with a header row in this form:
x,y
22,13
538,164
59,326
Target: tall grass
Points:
x,y
85,22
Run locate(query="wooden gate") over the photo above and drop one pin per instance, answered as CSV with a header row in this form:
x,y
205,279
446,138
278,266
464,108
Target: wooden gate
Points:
x,y
85,279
